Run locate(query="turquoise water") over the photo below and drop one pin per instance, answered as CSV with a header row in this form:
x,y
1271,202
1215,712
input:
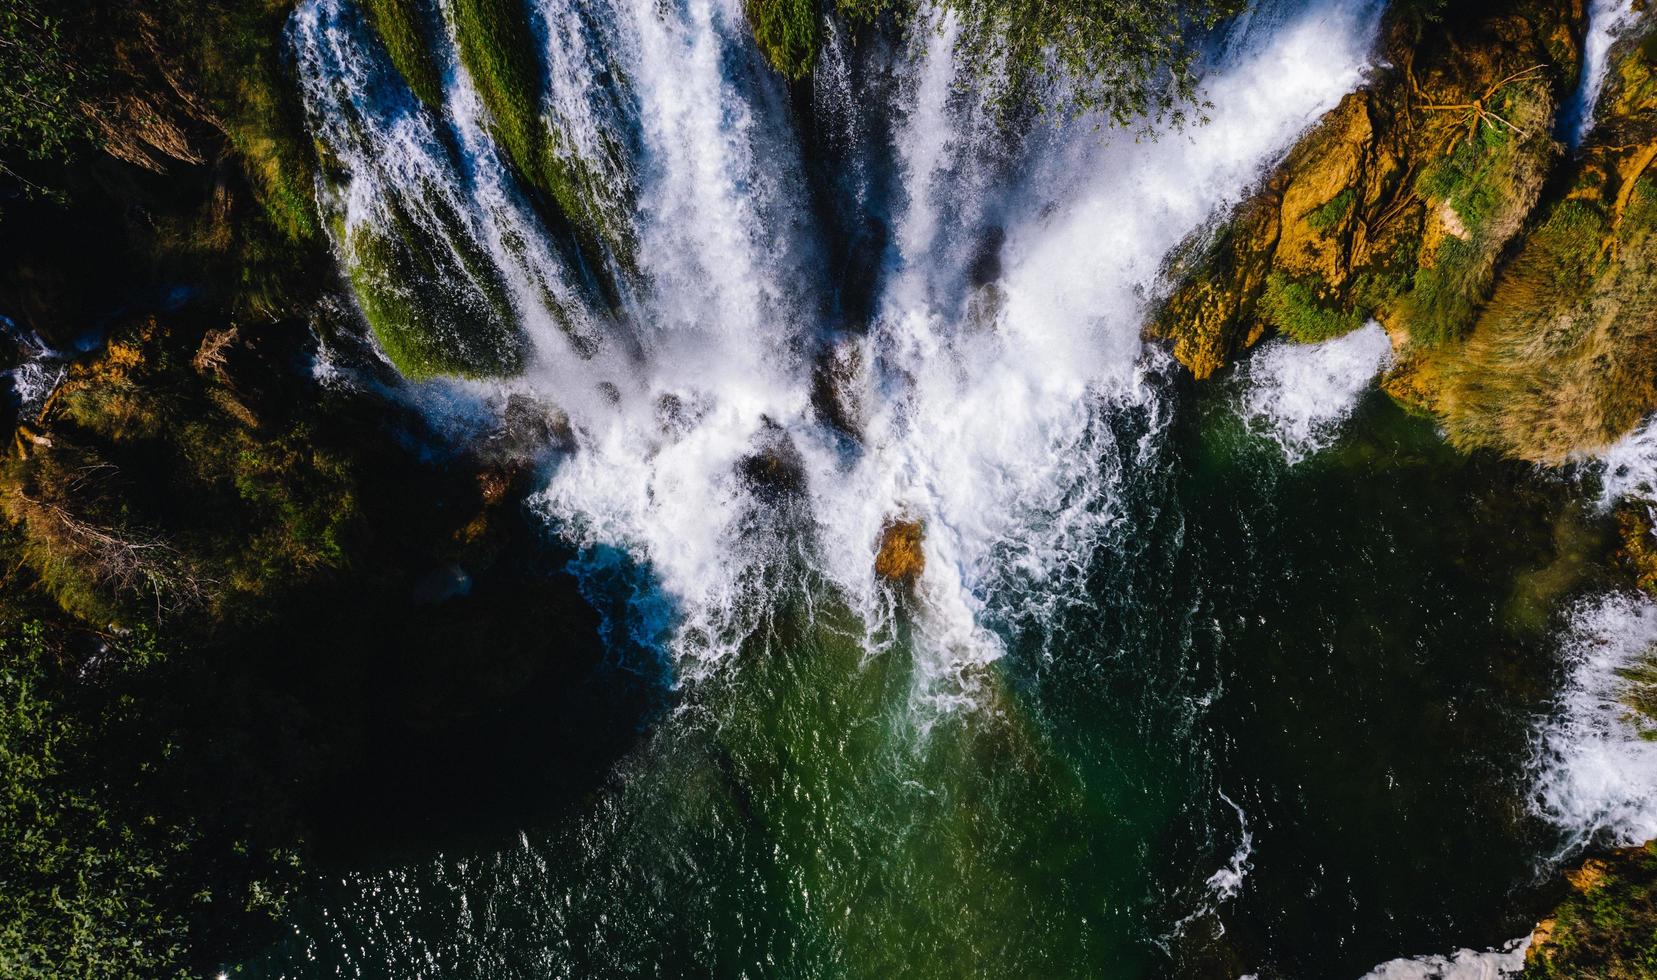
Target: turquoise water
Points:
x,y
1287,732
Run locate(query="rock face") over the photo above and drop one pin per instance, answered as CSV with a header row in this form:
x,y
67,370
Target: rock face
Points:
x,y
901,559
1400,202
1606,928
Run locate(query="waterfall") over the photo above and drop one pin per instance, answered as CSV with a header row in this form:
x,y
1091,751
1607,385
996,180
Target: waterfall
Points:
x,y
1003,342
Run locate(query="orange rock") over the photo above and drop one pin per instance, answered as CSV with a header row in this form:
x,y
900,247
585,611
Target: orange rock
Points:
x,y
901,559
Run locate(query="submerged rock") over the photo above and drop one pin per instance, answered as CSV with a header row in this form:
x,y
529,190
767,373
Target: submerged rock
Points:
x,y
901,558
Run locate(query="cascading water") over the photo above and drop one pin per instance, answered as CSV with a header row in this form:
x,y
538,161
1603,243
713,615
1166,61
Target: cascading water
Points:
x,y
982,394
786,329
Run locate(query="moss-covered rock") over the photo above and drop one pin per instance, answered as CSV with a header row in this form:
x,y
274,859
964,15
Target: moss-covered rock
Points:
x,y
497,49
1606,929
401,27
1563,359
436,303
1400,202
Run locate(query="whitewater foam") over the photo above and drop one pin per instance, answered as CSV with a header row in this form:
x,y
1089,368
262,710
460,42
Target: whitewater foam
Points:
x,y
1299,395
1465,964
1596,773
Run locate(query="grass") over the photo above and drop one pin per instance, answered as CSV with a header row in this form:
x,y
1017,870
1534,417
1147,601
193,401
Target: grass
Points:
x,y
1564,358
1303,312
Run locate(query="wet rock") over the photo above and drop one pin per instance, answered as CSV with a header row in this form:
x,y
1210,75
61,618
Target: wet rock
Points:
x,y
901,558
528,429
838,386
775,469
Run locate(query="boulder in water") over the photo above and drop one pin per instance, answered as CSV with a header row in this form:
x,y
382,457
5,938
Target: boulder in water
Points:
x,y
837,386
775,469
901,560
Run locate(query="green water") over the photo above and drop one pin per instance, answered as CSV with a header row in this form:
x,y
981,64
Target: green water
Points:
x,y
1342,660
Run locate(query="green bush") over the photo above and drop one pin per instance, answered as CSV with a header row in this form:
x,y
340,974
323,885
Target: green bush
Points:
x,y
84,885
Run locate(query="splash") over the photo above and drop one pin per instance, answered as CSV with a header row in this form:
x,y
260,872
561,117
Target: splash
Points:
x,y
1466,964
1597,772
1628,467
1299,395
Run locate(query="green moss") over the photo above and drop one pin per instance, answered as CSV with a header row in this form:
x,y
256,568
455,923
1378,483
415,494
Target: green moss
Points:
x,y
497,49
788,34
399,25
1303,312
1327,217
422,310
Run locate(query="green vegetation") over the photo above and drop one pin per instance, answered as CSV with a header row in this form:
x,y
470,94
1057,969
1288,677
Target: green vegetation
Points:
x,y
399,25
42,85
435,303
787,34
83,885
99,876
234,51
1477,196
1126,58
1607,928
1329,216
1303,312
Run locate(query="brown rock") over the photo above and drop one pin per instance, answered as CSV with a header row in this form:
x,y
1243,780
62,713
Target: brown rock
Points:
x,y
901,559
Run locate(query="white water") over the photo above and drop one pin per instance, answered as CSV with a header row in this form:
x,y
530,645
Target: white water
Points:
x,y
1299,395
986,409
1628,468
1466,964
1597,775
